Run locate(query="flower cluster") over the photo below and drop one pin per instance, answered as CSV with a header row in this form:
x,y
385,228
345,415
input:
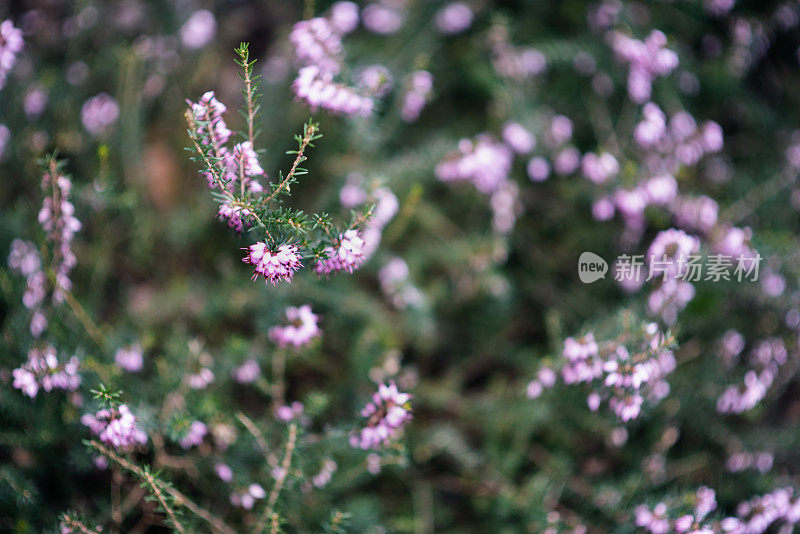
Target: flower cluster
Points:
x,y
353,194
194,435
646,59
668,257
760,461
509,61
668,145
316,87
766,359
246,373
130,358
247,497
43,370
274,265
386,414
318,50
25,259
777,511
455,17
199,29
323,477
695,521
781,507
302,328
484,161
11,44
384,17
395,284
57,217
417,93
115,426
99,113
346,254
626,371
207,113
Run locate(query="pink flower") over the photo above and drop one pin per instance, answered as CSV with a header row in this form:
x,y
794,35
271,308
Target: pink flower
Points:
x,y
199,29
518,138
346,254
483,161
130,358
11,44
247,373
98,113
208,110
316,88
194,435
387,414
115,426
274,266
302,327
454,18
43,370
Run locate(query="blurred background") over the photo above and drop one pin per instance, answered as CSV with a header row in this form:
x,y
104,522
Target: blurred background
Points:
x,y
469,293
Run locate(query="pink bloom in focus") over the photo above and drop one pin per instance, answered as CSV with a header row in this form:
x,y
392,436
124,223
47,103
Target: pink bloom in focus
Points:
x,y
387,414
345,255
274,266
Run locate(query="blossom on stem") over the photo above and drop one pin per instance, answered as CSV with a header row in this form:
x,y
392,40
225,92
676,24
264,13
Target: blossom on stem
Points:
x,y
115,426
11,44
274,266
43,370
387,414
302,327
346,254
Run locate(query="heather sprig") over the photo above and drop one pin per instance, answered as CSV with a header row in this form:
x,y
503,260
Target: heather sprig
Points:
x,y
287,235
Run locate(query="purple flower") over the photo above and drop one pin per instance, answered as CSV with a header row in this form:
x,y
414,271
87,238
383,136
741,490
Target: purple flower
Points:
x,y
130,358
194,435
418,92
247,373
518,138
386,414
454,18
599,168
199,29
483,161
274,266
346,254
316,88
538,169
344,16
115,426
302,328
99,113
43,370
383,19
224,472
208,110
646,60
317,43
11,44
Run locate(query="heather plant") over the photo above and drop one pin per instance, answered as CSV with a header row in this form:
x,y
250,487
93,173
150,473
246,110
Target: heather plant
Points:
x,y
557,290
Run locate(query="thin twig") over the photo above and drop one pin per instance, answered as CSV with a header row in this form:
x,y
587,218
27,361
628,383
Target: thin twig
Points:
x,y
308,136
146,477
279,481
76,523
253,429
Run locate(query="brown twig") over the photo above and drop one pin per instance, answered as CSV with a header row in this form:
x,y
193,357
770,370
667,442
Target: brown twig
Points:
x,y
269,511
